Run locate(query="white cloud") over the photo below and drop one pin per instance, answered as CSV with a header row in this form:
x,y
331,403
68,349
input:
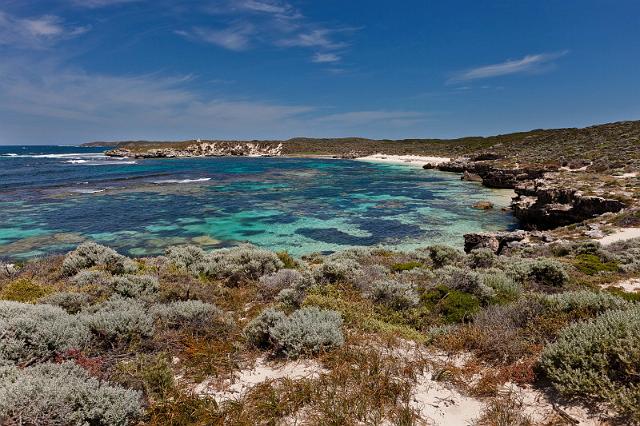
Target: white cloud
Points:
x,y
314,38
236,37
35,32
529,63
322,58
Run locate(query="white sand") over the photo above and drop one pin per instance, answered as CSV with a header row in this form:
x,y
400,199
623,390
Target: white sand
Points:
x,y
407,160
620,235
442,405
261,372
631,285
627,175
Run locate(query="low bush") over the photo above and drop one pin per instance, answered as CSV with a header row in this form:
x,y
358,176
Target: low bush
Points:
x,y
70,302
239,263
548,272
119,319
505,288
23,290
274,283
444,255
150,373
481,258
91,254
466,280
454,306
63,394
585,302
336,270
599,359
135,285
31,333
185,256
592,264
100,279
188,313
306,331
405,266
394,294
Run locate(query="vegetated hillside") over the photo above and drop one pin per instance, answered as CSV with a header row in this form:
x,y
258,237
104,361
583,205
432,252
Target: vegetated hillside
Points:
x,y
613,142
245,336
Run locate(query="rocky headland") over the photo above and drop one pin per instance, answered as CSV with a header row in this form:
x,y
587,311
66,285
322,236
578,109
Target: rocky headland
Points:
x,y
560,177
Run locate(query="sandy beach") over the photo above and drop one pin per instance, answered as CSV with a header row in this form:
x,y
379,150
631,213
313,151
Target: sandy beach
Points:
x,y
408,160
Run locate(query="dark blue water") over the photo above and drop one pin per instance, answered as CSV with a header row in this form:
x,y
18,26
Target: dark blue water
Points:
x,y
52,198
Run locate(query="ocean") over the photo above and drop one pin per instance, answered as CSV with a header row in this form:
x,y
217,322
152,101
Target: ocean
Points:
x,y
54,197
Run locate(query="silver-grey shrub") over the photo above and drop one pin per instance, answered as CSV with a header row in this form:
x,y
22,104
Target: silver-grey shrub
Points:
x,y
185,256
599,359
481,258
119,319
306,331
64,394
239,263
135,285
394,294
337,269
585,301
38,332
504,287
548,272
192,313
466,280
70,302
90,254
92,278
285,279
368,275
442,255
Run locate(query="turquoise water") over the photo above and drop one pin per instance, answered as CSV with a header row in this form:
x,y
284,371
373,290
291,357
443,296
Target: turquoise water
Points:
x,y
52,198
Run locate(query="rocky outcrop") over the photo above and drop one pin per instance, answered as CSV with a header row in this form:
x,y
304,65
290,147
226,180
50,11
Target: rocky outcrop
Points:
x,y
494,241
204,149
490,175
541,205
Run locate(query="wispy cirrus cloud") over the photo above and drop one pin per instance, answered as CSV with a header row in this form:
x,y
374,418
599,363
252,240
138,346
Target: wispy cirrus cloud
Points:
x,y
35,32
323,58
236,37
527,64
271,22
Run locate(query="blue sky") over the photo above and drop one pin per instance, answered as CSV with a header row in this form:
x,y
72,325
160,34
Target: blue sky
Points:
x,y
79,70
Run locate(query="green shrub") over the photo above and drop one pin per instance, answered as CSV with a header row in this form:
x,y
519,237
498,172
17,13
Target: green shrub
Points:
x,y
454,306
444,255
394,294
286,259
467,281
38,332
188,313
481,258
548,272
23,290
135,285
63,394
505,288
70,302
119,320
306,331
585,302
591,264
151,373
599,359
405,266
90,254
258,331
